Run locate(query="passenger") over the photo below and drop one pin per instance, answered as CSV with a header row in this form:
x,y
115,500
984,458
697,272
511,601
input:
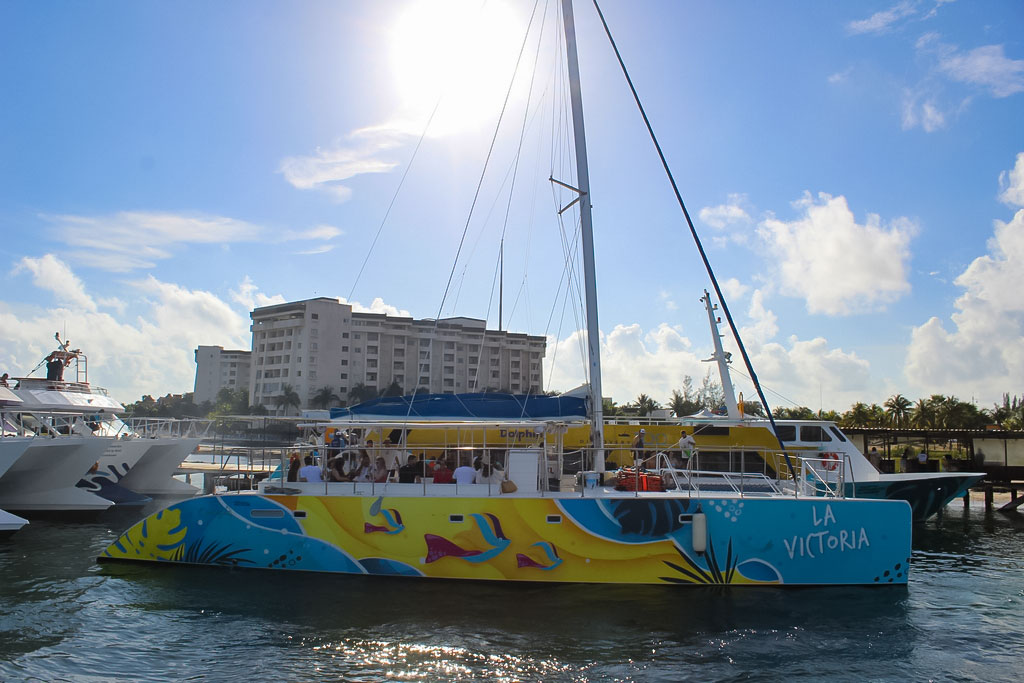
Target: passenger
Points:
x,y
464,474
293,467
639,454
408,472
392,457
875,458
364,472
310,472
442,472
3,380
336,469
488,475
380,470
686,446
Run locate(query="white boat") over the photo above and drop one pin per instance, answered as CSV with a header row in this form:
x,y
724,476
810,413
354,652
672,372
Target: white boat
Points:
x,y
11,449
834,455
713,528
131,468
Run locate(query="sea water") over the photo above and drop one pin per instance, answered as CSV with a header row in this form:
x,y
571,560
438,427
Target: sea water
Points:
x,y
63,617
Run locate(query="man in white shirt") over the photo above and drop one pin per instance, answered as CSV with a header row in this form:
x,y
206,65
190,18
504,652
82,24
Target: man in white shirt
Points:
x,y
310,472
464,474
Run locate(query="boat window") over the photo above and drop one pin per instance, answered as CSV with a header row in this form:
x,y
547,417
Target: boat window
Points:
x,y
813,433
454,518
708,430
554,519
299,513
839,434
266,514
786,432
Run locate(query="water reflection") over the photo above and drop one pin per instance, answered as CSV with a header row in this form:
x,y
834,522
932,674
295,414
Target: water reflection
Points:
x,y
64,616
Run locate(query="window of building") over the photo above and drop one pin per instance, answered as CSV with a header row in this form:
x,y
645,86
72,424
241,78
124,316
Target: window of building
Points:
x,y
399,353
372,336
449,345
424,342
284,373
312,360
371,349
312,374
344,375
358,349
371,377
424,355
344,349
344,335
313,346
400,379
494,362
474,360
357,335
449,357
315,316
424,367
344,361
449,383
399,365
515,364
371,362
298,373
424,381
313,332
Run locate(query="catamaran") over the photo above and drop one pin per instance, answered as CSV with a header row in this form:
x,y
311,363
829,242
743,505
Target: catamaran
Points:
x,y
735,528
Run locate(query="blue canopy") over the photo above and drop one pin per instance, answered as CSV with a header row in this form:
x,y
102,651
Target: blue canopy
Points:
x,y
468,407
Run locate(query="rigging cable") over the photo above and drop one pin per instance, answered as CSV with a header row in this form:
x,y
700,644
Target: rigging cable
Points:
x,y
483,171
395,197
696,238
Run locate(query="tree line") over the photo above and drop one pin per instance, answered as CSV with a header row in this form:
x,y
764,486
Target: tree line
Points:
x,y
935,412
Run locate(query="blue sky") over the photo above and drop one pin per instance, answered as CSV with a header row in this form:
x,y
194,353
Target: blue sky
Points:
x,y
856,171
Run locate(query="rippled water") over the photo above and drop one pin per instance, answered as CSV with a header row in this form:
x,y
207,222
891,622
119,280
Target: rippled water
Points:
x,y
62,617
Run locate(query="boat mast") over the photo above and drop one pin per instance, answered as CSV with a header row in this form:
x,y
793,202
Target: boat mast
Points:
x,y
722,358
587,229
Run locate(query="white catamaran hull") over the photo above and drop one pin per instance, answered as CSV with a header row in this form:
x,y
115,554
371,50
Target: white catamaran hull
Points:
x,y
44,478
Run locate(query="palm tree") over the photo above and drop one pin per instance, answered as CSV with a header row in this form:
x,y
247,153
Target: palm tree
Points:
x,y
646,405
360,392
683,403
922,415
859,415
897,409
324,398
288,398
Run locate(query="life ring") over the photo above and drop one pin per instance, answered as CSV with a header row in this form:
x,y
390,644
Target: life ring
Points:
x,y
831,461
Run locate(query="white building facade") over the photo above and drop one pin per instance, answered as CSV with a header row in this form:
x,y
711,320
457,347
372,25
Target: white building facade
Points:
x,y
217,368
321,343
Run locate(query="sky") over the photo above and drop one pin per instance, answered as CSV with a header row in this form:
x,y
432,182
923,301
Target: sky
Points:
x,y
854,170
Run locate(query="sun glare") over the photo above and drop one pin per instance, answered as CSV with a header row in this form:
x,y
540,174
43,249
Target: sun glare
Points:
x,y
463,51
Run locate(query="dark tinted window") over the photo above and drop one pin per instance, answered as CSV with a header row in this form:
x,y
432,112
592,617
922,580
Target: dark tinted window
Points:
x,y
786,432
813,433
839,434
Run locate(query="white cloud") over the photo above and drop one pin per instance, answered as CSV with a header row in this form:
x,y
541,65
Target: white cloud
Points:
x,y
1012,183
734,289
130,240
633,362
764,324
667,300
328,168
879,22
982,356
840,76
151,353
249,296
376,306
724,215
836,264
812,374
922,108
53,275
988,67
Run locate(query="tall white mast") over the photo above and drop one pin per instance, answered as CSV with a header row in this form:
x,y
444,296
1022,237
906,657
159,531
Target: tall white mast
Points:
x,y
587,229
722,358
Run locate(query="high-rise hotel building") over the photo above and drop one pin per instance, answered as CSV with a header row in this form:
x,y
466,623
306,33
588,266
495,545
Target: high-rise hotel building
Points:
x,y
320,343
